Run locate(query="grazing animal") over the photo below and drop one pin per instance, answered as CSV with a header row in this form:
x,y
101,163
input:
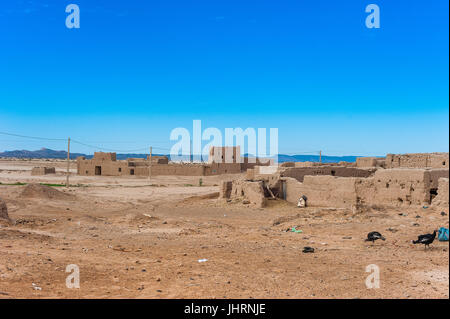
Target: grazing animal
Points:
x,y
374,235
426,239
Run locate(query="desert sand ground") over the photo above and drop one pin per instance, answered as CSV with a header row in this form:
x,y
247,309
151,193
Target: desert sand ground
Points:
x,y
139,238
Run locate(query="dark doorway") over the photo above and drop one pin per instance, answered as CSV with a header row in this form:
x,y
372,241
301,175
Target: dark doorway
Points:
x,y
433,193
98,170
132,171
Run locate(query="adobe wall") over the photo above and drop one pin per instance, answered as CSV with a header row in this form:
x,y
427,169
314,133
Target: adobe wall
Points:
x,y
340,171
249,163
253,192
393,187
222,168
35,171
325,191
159,159
105,164
370,162
418,160
3,210
101,156
178,169
141,168
442,200
108,167
398,187
224,154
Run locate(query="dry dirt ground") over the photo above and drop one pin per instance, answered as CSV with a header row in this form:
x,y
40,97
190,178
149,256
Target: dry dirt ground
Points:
x,y
135,238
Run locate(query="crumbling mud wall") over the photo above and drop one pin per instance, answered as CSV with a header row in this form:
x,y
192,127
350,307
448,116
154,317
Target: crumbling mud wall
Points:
x,y
370,162
323,191
35,171
248,191
178,170
418,160
399,187
299,173
3,210
222,168
316,164
441,199
394,187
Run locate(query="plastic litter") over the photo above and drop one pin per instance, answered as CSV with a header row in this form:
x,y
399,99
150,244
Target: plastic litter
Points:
x,y
298,231
443,234
202,260
35,287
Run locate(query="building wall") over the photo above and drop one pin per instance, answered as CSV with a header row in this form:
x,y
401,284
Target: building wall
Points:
x,y
179,169
251,191
370,162
340,171
324,191
42,171
390,187
399,187
224,154
442,199
222,168
418,160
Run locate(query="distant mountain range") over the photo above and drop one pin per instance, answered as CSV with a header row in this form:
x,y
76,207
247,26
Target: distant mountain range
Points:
x,y
52,154
42,153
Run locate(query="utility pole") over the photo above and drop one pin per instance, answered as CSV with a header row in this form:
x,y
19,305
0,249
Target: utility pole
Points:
x,y
150,166
320,156
191,157
68,162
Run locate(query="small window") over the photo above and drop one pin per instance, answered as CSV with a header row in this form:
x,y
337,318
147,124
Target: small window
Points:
x,y
120,169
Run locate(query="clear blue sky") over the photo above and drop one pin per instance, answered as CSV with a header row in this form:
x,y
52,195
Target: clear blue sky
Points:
x,y
137,69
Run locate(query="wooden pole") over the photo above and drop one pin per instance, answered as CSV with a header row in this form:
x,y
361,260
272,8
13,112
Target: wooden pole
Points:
x,y
320,156
191,157
150,166
68,162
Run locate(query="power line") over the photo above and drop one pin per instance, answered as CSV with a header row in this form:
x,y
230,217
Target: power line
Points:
x,y
84,144
34,137
114,150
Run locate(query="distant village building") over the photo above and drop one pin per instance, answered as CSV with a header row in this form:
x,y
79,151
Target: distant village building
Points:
x,y
36,171
106,164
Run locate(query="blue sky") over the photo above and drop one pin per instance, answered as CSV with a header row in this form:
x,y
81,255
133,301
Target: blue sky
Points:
x,y
135,70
